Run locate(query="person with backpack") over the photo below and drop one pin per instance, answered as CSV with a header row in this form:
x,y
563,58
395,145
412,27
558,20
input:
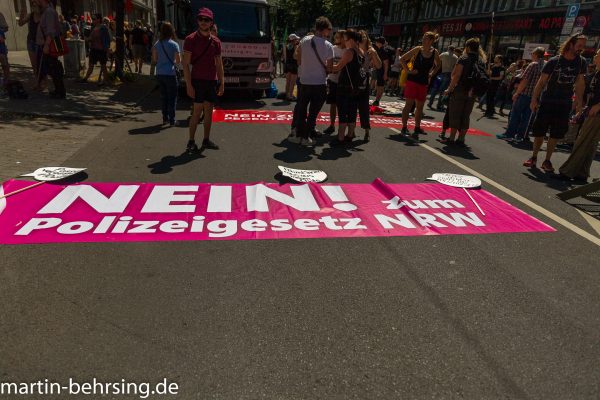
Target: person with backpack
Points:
x,y
560,76
165,54
469,81
138,46
425,64
496,71
353,79
313,54
521,112
49,31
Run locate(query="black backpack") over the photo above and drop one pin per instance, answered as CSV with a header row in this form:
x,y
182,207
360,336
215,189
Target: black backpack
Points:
x,y
478,79
15,90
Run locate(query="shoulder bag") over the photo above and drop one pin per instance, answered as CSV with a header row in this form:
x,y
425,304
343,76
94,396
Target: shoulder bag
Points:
x,y
177,71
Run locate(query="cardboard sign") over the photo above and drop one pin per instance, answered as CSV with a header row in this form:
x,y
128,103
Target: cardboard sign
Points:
x,y
47,174
246,50
134,212
303,175
456,180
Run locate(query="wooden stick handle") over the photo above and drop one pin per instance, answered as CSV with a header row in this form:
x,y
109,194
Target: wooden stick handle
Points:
x,y
22,189
473,200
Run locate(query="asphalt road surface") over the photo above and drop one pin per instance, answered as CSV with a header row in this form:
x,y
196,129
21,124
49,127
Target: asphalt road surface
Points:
x,y
497,316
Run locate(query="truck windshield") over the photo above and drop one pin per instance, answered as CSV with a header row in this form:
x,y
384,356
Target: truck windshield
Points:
x,y
236,21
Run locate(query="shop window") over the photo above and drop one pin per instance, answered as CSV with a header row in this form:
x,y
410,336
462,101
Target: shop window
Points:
x,y
543,3
566,2
488,6
504,5
521,4
438,11
473,6
460,8
428,9
448,11
20,5
396,12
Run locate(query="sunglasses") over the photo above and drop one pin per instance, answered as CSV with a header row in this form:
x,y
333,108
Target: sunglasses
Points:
x,y
204,19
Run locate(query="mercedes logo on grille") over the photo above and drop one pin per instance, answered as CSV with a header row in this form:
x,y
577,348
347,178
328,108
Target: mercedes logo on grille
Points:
x,y
227,63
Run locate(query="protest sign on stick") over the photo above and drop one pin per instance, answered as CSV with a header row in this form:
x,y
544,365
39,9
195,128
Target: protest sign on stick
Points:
x,y
460,181
46,174
303,175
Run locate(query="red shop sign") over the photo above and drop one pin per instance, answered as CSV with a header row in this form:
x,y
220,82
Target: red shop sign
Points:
x,y
456,27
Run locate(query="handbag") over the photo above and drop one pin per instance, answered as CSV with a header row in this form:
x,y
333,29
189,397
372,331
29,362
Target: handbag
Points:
x,y
58,47
177,71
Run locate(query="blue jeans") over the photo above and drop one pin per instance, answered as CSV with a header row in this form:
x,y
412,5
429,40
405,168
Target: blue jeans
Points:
x,y
519,117
444,83
168,95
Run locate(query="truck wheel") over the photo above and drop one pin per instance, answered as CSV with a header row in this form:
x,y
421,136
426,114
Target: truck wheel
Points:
x,y
257,94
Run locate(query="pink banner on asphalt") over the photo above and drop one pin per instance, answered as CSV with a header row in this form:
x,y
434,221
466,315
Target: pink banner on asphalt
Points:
x,y
285,117
128,212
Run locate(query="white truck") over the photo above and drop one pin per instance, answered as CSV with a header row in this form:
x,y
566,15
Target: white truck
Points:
x,y
244,28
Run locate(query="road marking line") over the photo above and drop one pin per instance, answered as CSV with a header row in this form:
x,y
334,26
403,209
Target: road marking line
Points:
x,y
575,229
594,223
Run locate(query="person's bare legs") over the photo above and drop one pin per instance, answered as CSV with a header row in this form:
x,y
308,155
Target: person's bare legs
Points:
x,y
418,114
379,93
452,136
537,145
103,73
550,147
89,72
288,84
208,111
341,131
33,60
332,115
351,129
406,110
197,110
462,134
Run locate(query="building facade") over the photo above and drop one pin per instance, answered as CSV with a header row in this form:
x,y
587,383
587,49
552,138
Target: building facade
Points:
x,y
16,37
504,26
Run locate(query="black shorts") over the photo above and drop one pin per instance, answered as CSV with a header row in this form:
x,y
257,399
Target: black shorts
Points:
x,y
331,92
205,91
553,118
292,68
98,56
394,74
380,80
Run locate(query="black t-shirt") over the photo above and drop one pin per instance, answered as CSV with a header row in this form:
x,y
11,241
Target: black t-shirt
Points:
x,y
563,75
593,92
497,71
382,55
137,36
467,61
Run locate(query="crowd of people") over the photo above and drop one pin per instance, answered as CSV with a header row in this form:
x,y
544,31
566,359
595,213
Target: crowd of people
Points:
x,y
549,96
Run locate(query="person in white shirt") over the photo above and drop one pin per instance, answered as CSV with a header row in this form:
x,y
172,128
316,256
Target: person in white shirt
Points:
x,y
332,80
313,54
449,60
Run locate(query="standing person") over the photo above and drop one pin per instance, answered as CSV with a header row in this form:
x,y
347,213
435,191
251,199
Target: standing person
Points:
x,y
460,90
48,30
203,52
313,54
75,28
3,23
448,60
290,66
371,61
579,162
32,20
381,72
496,72
395,73
138,46
560,75
65,26
521,112
332,80
165,54
112,50
127,33
425,65
99,46
4,58
352,79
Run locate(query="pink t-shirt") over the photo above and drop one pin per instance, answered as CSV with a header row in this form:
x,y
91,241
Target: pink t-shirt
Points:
x,y
203,67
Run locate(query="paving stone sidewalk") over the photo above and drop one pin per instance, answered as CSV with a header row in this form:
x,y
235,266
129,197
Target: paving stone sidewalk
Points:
x,y
84,100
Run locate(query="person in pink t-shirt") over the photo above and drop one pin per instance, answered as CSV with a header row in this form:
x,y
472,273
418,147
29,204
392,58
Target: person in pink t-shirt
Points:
x,y
205,80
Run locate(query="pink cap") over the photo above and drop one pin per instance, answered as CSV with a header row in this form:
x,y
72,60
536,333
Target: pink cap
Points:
x,y
205,12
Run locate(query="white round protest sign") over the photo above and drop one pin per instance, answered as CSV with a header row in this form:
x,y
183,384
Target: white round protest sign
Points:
x,y
303,175
456,180
47,174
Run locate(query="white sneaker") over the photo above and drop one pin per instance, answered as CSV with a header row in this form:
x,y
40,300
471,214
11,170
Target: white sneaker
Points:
x,y
294,139
307,142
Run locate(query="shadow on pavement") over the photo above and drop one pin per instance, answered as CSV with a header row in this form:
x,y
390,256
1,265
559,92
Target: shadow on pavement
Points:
x,y
538,175
292,152
148,130
166,164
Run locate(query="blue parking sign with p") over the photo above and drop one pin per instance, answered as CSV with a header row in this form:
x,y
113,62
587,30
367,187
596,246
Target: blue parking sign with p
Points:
x,y
573,10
